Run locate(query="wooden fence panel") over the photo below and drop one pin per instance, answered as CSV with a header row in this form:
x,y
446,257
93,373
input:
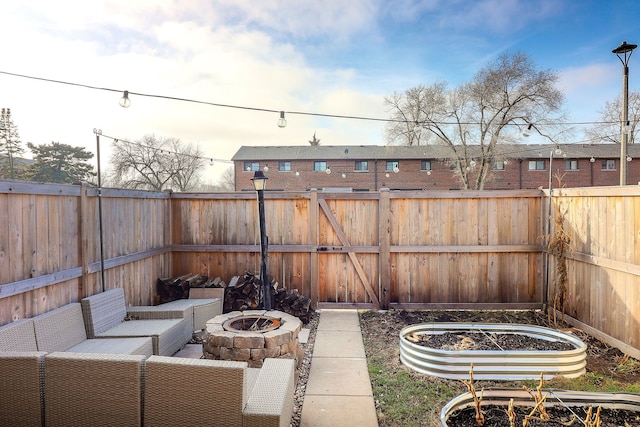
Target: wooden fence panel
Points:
x,y
408,249
604,268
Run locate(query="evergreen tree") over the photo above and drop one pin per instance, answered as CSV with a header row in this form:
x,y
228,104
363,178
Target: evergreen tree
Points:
x,y
60,163
10,147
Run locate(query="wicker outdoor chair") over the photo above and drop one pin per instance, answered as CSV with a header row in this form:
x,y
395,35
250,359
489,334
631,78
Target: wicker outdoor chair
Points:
x,y
197,311
90,389
22,390
63,329
105,313
237,395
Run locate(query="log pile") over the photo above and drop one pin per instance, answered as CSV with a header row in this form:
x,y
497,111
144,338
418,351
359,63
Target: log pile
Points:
x,y
171,289
242,293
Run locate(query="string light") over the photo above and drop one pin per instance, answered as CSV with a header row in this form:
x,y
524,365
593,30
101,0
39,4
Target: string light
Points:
x,y
163,151
282,122
302,113
125,102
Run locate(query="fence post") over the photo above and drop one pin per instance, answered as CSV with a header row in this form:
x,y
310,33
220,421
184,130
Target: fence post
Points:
x,y
384,248
313,241
85,229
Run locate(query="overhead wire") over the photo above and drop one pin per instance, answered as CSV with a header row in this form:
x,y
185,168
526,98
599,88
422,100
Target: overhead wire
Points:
x,y
271,110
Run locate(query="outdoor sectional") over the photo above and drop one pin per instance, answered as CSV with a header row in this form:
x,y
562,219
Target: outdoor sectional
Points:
x,y
53,375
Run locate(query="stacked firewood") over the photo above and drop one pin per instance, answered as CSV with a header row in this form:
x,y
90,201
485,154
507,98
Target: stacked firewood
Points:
x,y
242,293
171,289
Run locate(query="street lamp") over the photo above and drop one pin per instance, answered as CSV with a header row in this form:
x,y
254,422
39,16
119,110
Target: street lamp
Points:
x,y
623,52
259,183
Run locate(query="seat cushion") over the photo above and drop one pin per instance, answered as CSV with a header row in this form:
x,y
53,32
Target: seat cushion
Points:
x,y
169,335
142,346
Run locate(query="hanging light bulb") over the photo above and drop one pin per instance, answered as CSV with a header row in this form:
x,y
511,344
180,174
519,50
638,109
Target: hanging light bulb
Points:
x,y
344,175
328,171
428,172
266,168
472,163
629,158
211,162
282,122
527,131
396,169
125,102
297,173
387,175
558,151
592,159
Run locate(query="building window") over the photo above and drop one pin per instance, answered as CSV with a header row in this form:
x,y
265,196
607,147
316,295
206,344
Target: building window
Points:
x,y
392,165
251,166
571,165
284,166
536,165
361,165
608,165
320,166
425,165
497,166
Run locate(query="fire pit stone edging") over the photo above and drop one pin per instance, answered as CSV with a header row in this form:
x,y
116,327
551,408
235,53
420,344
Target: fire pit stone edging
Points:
x,y
253,346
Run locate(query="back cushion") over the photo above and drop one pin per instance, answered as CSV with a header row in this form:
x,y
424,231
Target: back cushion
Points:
x,y
103,311
18,336
60,329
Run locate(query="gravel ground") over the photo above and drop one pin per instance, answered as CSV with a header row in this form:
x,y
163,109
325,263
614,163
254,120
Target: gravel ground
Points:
x,y
303,372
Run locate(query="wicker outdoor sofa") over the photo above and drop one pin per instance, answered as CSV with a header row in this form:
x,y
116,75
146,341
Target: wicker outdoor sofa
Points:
x,y
116,381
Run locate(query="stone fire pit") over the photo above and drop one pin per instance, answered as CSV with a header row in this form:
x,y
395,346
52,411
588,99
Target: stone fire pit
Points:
x,y
253,335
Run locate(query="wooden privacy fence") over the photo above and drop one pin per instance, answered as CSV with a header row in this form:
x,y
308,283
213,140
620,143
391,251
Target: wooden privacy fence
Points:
x,y
431,249
403,249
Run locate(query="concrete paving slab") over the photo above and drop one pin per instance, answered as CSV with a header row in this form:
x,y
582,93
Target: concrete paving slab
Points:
x,y
337,411
339,320
339,376
303,335
338,344
190,351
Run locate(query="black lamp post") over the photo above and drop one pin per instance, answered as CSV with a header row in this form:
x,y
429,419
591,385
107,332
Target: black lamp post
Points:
x,y
259,183
623,52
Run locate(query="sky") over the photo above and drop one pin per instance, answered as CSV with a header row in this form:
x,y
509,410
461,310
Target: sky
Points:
x,y
254,58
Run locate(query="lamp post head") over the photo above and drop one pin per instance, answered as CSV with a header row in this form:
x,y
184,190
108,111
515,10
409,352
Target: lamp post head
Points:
x,y
259,180
625,49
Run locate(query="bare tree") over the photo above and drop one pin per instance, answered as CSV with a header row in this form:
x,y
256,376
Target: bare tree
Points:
x,y
155,163
227,180
504,98
609,129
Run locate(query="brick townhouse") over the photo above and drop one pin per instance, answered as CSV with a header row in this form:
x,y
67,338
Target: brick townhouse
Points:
x,y
371,167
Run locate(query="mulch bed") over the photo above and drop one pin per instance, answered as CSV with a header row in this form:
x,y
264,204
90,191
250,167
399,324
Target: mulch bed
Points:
x,y
469,340
559,417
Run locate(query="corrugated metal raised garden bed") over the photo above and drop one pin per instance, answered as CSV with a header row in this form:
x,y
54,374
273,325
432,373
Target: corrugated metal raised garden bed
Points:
x,y
495,364
563,406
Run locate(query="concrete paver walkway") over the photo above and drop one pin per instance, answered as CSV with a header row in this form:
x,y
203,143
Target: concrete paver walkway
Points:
x,y
338,390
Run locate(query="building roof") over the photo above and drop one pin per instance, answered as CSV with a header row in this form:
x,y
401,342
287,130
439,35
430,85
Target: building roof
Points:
x,y
368,152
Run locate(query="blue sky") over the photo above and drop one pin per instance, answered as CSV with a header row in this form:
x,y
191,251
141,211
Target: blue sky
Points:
x,y
329,57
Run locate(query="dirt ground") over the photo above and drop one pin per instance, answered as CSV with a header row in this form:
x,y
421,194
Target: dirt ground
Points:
x,y
381,339
601,358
